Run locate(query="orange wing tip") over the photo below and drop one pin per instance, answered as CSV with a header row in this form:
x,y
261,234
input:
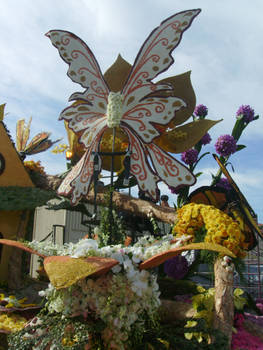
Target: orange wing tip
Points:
x,y
158,259
64,271
20,245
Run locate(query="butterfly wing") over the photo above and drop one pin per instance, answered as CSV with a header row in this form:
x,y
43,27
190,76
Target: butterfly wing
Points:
x,y
83,66
85,118
84,70
78,181
169,170
39,143
139,112
247,212
210,196
88,115
155,56
36,141
22,134
140,167
142,117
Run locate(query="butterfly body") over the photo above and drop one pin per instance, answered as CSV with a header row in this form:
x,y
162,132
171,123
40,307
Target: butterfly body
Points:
x,y
132,109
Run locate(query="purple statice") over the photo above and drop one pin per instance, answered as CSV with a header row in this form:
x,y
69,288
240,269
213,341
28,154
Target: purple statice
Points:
x,y
246,113
176,267
225,145
201,111
206,139
190,156
224,183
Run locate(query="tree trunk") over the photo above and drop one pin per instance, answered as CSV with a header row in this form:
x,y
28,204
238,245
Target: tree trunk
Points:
x,y
224,301
136,206
122,201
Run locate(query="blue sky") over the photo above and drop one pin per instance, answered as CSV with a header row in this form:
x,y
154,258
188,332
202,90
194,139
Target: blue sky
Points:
x,y
223,49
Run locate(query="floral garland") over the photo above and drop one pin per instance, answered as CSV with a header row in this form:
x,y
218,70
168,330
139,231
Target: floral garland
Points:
x,y
220,228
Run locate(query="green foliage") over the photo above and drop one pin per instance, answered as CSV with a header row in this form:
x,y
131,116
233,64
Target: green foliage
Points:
x,y
171,337
65,204
169,287
3,341
239,300
111,230
21,198
61,331
152,336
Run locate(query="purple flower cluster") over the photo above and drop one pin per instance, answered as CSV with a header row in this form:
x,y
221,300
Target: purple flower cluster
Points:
x,y
176,267
206,139
225,145
190,156
246,112
224,183
201,111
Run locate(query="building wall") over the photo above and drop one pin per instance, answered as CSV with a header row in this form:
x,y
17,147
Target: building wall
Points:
x,y
15,173
44,221
12,226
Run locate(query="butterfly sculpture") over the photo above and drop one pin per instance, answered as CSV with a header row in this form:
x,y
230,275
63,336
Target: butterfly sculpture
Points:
x,y
39,143
133,109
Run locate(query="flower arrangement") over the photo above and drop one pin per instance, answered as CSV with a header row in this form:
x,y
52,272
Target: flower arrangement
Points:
x,y
33,166
225,146
116,310
121,300
220,228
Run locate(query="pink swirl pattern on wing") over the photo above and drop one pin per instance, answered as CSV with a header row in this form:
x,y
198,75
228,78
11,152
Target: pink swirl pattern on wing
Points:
x,y
165,161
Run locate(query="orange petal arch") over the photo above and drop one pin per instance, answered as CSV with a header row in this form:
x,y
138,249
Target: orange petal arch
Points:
x,y
158,259
20,245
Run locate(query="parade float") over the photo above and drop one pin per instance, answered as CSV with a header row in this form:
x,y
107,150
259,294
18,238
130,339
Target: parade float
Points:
x,y
103,293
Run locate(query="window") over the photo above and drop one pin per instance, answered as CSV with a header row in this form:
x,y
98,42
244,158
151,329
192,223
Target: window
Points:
x,y
2,163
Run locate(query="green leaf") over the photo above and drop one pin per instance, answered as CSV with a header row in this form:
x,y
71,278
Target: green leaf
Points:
x,y
240,147
199,174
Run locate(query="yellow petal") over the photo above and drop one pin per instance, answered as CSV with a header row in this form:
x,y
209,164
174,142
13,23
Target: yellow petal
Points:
x,y
184,137
2,111
117,74
182,88
64,271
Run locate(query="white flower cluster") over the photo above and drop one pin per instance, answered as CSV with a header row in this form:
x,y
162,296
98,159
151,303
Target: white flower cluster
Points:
x,y
48,248
110,298
114,109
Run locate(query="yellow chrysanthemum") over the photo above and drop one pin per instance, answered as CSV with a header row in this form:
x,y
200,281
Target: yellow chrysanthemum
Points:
x,y
221,229
12,322
31,165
